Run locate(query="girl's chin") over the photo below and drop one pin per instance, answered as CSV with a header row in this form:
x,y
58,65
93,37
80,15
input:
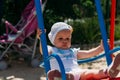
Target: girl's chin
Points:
x,y
65,47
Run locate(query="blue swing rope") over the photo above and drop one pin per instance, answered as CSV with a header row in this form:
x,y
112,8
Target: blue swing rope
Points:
x,y
108,52
99,56
103,31
104,37
46,57
43,37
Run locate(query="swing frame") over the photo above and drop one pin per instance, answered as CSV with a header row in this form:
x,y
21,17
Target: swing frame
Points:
x,y
107,52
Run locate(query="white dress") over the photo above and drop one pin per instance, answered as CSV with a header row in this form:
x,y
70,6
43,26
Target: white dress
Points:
x,y
69,59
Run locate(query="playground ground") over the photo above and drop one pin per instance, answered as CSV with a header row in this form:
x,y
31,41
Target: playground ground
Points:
x,y
21,71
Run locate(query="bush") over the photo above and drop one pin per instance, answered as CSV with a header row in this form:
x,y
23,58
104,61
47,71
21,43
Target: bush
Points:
x,y
117,32
85,31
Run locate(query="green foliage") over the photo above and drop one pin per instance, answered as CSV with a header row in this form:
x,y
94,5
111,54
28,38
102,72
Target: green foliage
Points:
x,y
65,9
81,14
85,30
117,32
12,9
87,8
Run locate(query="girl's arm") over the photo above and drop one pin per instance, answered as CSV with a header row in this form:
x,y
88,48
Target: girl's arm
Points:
x,y
90,53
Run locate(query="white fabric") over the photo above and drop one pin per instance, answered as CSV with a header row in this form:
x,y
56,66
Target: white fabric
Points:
x,y
69,59
56,28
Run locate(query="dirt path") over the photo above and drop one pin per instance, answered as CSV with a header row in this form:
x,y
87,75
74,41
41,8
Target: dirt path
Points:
x,y
21,71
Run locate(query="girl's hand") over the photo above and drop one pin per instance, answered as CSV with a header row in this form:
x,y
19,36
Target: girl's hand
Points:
x,y
101,46
39,32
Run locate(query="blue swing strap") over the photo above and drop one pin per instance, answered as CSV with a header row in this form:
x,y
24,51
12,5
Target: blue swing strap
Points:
x,y
89,59
58,59
43,35
99,56
61,66
46,57
103,31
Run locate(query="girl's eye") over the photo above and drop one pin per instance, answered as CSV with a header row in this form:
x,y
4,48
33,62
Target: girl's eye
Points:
x,y
60,39
67,39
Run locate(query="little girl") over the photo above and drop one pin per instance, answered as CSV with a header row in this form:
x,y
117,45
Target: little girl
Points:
x,y
60,36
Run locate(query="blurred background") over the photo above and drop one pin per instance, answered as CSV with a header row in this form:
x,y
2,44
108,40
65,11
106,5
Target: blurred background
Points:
x,y
81,14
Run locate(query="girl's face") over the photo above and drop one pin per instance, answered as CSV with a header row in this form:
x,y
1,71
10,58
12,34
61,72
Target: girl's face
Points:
x,y
63,39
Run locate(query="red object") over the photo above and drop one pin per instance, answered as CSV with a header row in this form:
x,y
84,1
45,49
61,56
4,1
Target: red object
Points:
x,y
112,24
115,78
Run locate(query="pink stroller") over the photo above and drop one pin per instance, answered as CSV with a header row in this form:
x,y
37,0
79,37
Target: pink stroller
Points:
x,y
20,38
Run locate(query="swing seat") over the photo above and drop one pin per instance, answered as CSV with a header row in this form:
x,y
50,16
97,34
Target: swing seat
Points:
x,y
56,75
118,78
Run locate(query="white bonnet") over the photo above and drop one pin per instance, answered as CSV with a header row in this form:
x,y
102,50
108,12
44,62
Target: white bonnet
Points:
x,y
56,28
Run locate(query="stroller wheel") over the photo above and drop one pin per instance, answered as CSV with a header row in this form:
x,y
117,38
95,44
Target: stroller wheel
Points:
x,y
35,63
3,65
